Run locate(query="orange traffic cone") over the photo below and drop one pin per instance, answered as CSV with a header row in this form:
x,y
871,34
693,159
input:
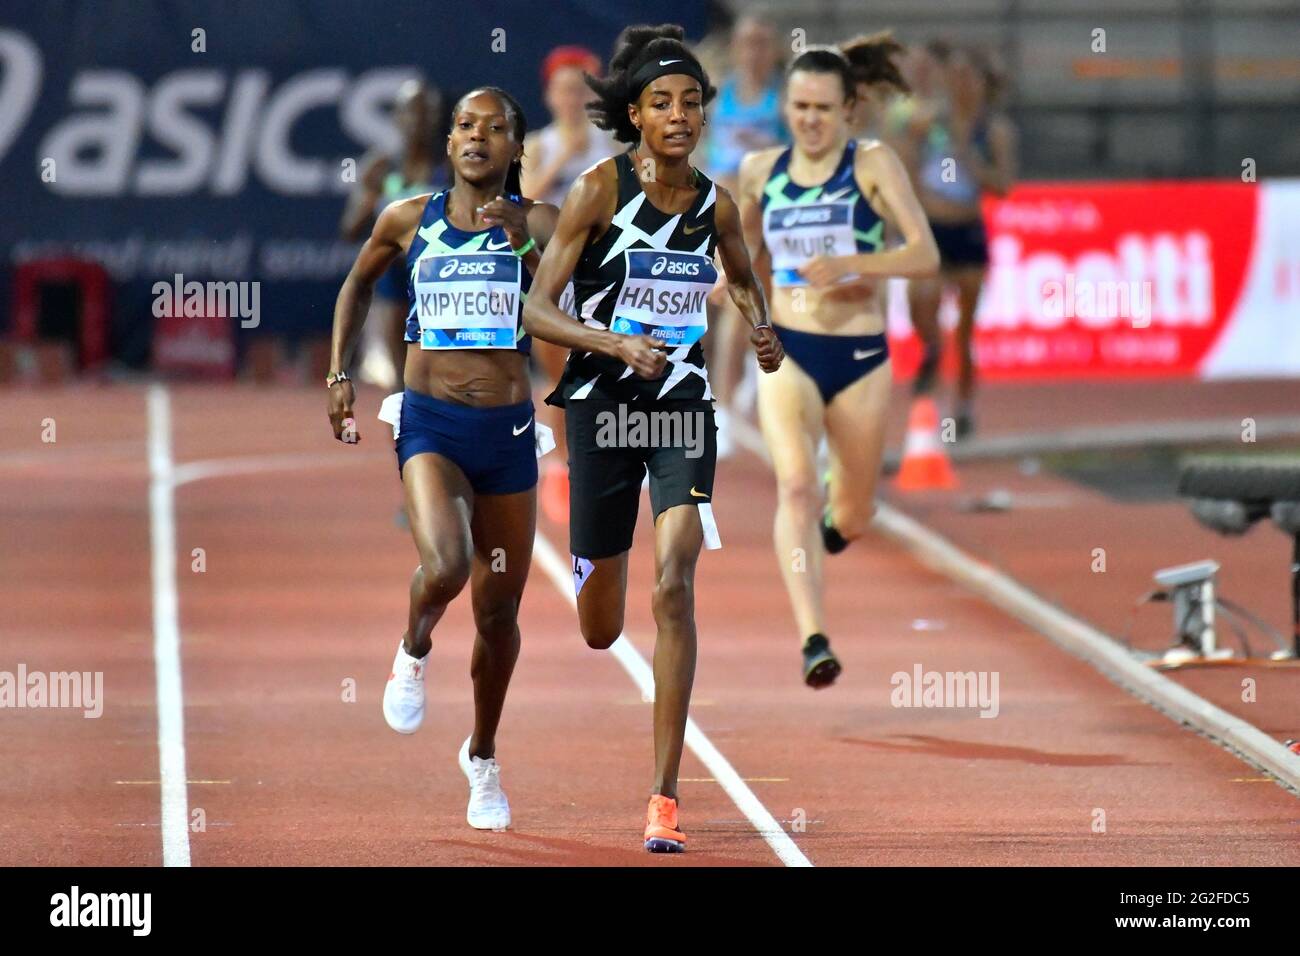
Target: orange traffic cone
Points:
x,y
925,461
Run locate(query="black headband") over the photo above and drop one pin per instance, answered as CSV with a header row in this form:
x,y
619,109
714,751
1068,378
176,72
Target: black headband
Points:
x,y
659,66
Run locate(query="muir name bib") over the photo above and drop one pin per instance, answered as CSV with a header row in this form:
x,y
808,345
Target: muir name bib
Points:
x,y
795,234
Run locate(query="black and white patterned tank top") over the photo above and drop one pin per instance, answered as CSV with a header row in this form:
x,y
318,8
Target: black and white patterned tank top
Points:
x,y
648,274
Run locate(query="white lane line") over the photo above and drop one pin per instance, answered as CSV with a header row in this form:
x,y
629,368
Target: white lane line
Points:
x,y
256,464
167,634
1244,740
561,575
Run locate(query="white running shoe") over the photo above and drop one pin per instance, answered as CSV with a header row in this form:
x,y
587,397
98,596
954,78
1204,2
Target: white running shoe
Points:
x,y
404,695
488,807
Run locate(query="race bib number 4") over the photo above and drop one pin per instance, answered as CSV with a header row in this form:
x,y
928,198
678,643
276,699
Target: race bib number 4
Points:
x,y
664,296
468,300
796,234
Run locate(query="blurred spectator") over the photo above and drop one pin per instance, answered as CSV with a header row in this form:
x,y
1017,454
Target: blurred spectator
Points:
x,y
747,113
386,179
556,155
745,116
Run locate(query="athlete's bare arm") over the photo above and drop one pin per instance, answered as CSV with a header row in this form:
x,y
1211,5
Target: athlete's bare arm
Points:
x,y
589,206
359,213
741,284
755,169
880,173
999,175
392,233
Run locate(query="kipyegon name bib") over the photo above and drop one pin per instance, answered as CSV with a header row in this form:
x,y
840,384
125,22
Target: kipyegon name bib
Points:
x,y
468,300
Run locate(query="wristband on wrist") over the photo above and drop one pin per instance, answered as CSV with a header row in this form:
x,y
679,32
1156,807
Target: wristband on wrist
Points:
x,y
333,378
526,248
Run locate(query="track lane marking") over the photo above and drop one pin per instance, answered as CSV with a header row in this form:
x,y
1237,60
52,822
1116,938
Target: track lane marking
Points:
x,y
166,633
557,569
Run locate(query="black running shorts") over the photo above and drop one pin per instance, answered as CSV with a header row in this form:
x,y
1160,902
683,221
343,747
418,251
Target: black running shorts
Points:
x,y
611,447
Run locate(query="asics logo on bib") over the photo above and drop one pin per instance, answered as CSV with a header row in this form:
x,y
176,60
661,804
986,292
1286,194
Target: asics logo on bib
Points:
x,y
807,217
674,268
455,267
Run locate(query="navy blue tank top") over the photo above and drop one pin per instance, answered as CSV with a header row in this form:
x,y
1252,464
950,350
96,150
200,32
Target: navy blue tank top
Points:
x,y
466,289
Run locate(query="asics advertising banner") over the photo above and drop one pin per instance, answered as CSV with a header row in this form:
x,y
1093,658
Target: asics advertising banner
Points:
x,y
219,141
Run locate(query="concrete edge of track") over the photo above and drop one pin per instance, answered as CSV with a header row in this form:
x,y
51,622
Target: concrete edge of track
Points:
x,y
1113,438
1078,638
1095,647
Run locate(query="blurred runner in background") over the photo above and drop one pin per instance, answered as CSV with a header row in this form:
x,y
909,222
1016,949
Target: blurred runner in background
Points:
x,y
961,148
384,180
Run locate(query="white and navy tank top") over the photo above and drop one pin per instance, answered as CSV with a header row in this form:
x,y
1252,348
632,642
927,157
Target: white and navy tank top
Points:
x,y
466,289
800,222
649,274
600,145
942,173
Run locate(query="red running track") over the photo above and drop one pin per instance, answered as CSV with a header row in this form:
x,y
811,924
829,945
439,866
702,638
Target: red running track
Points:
x,y
304,591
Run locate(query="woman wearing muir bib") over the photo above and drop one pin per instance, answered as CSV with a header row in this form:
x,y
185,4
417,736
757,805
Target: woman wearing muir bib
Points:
x,y
816,214
464,431
637,234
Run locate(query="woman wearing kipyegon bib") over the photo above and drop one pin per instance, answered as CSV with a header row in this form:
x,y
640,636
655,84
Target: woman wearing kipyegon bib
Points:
x,y
465,434
638,233
816,213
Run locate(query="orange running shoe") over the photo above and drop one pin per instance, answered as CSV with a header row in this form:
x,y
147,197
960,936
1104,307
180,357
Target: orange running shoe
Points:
x,y
661,833
555,495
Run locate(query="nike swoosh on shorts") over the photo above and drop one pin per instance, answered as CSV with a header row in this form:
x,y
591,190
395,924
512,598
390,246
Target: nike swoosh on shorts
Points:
x,y
521,429
860,354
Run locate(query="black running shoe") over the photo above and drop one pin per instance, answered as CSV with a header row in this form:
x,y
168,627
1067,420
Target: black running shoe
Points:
x,y
820,665
926,372
964,423
831,538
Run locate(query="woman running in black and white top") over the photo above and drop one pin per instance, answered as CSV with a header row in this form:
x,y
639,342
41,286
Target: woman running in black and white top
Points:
x,y
637,234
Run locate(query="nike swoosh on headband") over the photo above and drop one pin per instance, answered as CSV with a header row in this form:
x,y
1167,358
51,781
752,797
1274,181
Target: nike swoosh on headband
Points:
x,y
668,62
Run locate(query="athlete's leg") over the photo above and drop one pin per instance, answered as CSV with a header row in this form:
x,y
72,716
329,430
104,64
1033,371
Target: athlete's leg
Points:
x,y
679,536
503,527
923,299
790,411
855,428
439,503
969,281
602,597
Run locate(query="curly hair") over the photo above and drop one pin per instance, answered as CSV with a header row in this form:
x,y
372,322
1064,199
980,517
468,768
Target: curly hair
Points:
x,y
636,46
